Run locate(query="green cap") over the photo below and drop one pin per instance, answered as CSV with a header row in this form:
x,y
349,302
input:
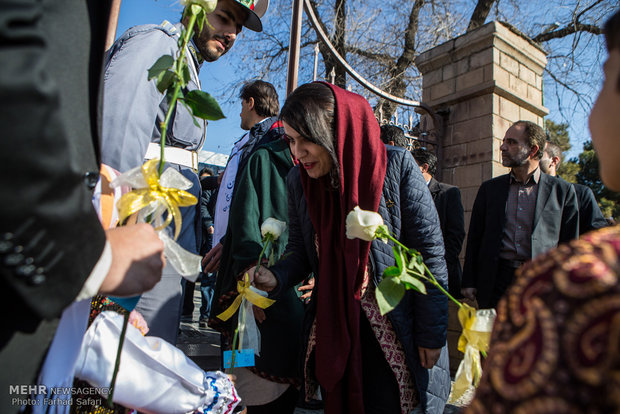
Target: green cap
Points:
x,y
256,9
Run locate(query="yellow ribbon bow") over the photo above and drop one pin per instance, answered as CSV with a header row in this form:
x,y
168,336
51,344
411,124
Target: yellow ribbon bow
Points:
x,y
243,287
170,198
477,326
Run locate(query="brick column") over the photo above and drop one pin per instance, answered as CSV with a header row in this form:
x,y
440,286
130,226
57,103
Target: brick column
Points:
x,y
482,82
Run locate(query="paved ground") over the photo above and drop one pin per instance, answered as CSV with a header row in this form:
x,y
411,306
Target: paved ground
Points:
x,y
202,345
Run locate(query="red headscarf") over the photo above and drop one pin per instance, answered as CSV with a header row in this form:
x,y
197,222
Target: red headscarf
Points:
x,y
342,261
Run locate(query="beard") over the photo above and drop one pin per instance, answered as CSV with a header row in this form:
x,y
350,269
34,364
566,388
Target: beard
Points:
x,y
517,160
209,52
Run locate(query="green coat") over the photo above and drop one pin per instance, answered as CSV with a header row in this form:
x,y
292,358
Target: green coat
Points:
x,y
260,193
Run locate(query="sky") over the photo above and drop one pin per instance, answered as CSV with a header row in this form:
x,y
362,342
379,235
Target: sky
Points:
x,y
222,134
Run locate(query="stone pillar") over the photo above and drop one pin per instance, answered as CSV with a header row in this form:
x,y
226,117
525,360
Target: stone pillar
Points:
x,y
481,82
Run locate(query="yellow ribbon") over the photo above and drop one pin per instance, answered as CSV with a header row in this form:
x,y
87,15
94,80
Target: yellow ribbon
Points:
x,y
171,198
471,343
477,339
243,287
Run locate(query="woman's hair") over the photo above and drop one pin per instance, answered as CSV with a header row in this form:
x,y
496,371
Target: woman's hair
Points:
x,y
310,111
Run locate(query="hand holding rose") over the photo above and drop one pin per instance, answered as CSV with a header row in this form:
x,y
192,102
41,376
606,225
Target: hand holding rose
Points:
x,y
263,279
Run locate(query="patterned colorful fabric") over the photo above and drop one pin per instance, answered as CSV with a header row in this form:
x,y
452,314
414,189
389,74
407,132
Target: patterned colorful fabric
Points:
x,y
386,336
555,347
392,349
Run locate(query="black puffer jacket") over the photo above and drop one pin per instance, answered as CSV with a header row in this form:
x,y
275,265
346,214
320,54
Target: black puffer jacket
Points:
x,y
409,211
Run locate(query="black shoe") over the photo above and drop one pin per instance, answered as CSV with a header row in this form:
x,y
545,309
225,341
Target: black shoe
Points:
x,y
202,323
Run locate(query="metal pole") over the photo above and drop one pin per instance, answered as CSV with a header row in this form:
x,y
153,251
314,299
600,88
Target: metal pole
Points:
x,y
115,9
316,61
293,51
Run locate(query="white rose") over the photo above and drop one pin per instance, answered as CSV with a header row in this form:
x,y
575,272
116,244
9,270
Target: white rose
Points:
x,y
208,5
273,227
363,224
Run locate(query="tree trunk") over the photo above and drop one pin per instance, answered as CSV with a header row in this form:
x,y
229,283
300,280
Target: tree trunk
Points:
x,y
338,40
397,85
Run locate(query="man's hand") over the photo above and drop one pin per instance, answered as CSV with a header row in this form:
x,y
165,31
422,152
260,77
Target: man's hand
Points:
x,y
211,261
428,356
263,279
137,260
469,293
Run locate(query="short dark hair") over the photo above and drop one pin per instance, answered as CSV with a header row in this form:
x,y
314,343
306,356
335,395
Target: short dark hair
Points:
x,y
553,150
265,97
309,110
206,170
535,136
395,134
424,156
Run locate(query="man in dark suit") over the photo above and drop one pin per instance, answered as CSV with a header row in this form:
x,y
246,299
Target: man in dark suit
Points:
x,y
53,249
516,217
590,215
450,209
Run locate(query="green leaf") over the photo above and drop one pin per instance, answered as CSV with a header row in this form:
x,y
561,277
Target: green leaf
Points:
x,y
196,9
415,266
163,64
165,80
392,271
411,282
413,252
201,18
400,257
204,105
382,233
190,112
388,294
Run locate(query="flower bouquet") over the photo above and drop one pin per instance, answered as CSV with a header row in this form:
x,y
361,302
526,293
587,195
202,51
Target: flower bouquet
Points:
x,y
247,332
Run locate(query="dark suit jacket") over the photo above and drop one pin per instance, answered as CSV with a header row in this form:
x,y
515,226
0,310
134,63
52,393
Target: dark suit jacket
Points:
x,y
556,220
450,209
590,215
50,237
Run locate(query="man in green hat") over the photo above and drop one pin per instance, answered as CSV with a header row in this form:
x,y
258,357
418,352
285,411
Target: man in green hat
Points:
x,y
133,109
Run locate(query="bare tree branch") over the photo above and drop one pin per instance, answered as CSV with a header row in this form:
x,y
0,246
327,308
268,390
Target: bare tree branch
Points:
x,y
396,85
479,16
382,58
568,30
382,42
590,7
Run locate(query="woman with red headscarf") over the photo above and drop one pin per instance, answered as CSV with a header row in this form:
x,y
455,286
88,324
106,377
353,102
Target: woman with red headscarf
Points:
x,y
364,362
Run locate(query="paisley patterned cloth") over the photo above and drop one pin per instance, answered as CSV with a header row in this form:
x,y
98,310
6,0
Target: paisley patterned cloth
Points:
x,y
392,349
555,347
385,335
